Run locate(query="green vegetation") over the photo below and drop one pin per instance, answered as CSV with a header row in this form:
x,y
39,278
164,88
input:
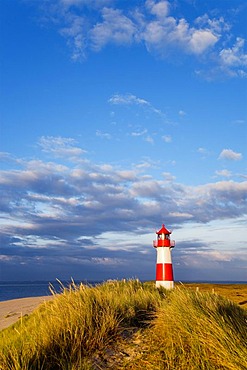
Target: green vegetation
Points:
x,y
128,325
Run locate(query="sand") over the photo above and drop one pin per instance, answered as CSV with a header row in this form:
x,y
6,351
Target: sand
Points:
x,y
12,310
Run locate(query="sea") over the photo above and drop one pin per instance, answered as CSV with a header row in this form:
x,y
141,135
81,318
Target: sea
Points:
x,y
22,289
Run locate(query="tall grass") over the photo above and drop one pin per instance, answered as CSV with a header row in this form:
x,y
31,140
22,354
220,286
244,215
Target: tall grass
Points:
x,y
128,325
196,331
64,332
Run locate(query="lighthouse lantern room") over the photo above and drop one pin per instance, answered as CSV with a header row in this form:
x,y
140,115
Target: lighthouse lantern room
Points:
x,y
164,270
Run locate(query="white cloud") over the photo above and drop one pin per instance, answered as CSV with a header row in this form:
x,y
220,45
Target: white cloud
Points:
x,y
181,215
106,261
234,56
217,25
170,34
153,25
223,173
167,138
60,146
75,35
144,165
144,135
160,8
116,28
138,133
202,150
130,99
168,176
182,113
230,155
127,99
201,40
233,60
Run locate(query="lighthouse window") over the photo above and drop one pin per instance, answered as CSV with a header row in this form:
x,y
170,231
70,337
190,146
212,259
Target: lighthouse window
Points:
x,y
167,236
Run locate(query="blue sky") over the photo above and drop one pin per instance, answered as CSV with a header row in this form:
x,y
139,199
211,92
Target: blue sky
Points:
x,y
117,117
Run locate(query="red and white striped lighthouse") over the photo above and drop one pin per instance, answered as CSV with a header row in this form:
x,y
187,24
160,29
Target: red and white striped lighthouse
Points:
x,y
164,271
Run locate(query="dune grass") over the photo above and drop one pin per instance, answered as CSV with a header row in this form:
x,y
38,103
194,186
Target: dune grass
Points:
x,y
235,292
195,330
128,325
64,332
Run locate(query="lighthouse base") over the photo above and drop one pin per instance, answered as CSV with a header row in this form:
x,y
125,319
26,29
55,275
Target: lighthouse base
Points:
x,y
165,284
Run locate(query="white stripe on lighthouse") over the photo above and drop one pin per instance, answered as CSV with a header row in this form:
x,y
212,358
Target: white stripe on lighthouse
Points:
x,y
164,255
164,284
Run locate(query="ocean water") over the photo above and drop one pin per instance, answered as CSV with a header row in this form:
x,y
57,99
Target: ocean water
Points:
x,y
22,289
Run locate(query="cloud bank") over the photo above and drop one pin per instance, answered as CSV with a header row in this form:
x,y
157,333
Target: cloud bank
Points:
x,y
96,219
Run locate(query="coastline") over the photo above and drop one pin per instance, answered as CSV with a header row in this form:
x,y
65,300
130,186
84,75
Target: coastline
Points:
x,y
127,324
12,310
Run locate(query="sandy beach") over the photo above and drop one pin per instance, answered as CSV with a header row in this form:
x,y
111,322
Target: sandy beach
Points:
x,y
13,310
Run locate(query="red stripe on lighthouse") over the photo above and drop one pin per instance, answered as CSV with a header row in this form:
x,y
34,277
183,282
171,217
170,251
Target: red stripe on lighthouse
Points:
x,y
164,272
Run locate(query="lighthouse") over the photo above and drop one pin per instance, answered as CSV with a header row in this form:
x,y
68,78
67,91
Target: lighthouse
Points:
x,y
164,271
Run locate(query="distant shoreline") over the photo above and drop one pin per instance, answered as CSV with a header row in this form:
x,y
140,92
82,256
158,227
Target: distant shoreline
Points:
x,y
85,281
25,289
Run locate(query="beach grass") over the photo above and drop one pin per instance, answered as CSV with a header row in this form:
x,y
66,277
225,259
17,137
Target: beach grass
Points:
x,y
234,292
129,325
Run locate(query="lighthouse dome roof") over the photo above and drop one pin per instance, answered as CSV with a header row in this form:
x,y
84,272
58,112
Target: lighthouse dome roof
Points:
x,y
163,230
